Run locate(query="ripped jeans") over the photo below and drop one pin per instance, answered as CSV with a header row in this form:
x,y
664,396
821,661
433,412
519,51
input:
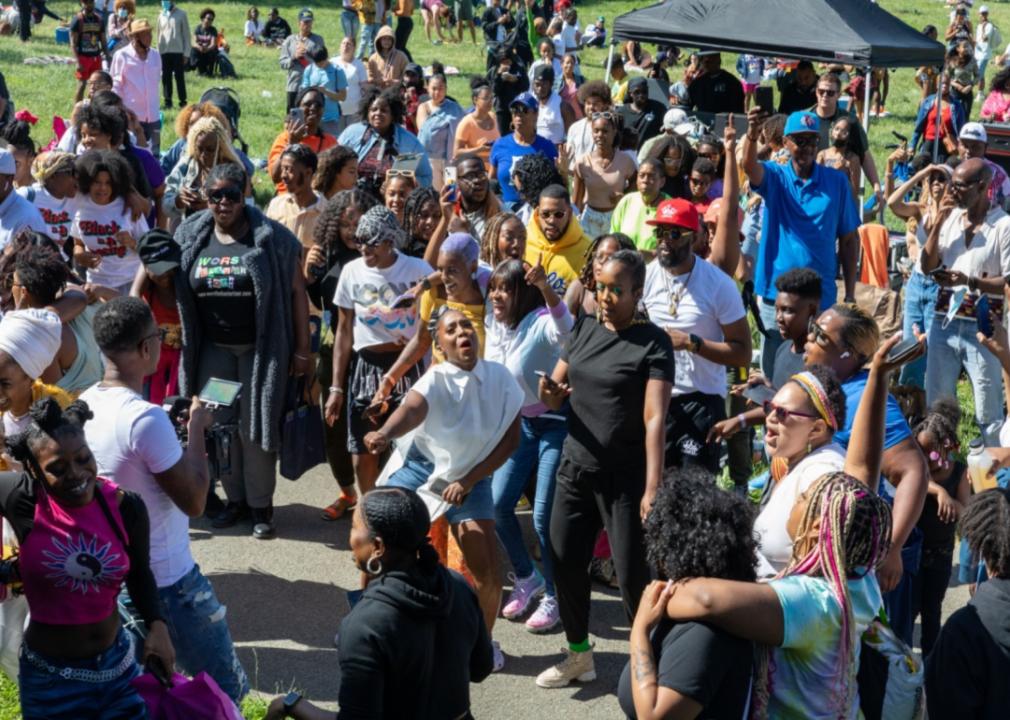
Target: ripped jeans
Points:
x,y
199,631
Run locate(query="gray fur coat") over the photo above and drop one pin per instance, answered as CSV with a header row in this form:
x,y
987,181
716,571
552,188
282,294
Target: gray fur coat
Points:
x,y
271,266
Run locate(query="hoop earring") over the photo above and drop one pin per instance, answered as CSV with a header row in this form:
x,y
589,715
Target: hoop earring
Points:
x,y
373,571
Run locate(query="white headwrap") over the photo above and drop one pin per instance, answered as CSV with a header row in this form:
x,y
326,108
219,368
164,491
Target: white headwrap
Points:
x,y
32,337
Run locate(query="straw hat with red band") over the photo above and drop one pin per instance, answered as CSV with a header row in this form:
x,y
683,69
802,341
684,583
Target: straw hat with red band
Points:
x,y
676,212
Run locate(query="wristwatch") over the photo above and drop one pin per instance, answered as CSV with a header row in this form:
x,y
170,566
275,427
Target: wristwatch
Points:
x,y
290,700
693,343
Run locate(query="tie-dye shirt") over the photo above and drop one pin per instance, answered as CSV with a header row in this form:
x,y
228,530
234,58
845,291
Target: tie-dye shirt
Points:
x,y
804,667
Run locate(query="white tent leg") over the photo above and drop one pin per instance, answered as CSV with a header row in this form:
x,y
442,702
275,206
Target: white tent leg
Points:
x,y
610,60
939,116
866,128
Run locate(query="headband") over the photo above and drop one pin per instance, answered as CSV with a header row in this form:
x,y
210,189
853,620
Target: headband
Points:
x,y
818,396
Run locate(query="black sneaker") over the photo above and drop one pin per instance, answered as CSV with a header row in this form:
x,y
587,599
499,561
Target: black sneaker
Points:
x,y
214,507
232,513
263,523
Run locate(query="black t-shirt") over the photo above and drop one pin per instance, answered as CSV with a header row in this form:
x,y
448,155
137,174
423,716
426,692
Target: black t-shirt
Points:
x,y
607,372
936,534
710,666
793,98
276,30
323,288
716,93
857,135
224,292
88,27
647,123
676,186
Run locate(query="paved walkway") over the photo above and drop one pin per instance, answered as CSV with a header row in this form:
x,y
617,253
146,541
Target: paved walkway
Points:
x,y
286,598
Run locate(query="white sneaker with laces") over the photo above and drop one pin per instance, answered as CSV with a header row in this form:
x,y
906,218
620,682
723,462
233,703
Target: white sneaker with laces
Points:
x,y
576,666
499,657
545,617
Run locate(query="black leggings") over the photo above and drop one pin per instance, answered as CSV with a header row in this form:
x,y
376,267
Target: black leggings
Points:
x,y
929,586
173,64
586,500
404,26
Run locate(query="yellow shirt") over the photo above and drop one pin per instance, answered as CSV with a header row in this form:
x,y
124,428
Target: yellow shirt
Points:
x,y
430,302
562,260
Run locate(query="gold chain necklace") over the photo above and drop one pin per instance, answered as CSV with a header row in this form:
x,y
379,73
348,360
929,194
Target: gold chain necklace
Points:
x,y
677,294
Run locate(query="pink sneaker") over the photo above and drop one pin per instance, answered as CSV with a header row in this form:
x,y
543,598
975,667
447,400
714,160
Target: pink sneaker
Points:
x,y
524,590
545,617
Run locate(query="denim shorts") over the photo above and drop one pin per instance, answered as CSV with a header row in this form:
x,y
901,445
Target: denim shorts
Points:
x,y
477,505
90,689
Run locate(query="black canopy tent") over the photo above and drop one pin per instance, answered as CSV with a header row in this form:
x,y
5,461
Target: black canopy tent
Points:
x,y
853,32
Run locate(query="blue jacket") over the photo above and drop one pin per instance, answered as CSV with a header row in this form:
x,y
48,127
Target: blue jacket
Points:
x,y
957,117
403,140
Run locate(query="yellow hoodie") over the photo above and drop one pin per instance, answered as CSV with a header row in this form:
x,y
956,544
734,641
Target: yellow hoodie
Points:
x,y
562,260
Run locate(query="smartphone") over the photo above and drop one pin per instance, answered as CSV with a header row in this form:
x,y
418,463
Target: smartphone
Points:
x,y
297,114
759,394
438,486
220,393
764,100
903,351
982,318
449,180
372,412
547,378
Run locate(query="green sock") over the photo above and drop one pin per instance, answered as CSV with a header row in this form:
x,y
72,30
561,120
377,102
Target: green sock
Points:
x,y
580,647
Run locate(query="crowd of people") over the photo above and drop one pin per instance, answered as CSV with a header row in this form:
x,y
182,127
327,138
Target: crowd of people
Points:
x,y
653,323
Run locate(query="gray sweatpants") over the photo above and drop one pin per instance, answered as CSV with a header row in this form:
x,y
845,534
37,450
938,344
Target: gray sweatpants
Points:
x,y
253,475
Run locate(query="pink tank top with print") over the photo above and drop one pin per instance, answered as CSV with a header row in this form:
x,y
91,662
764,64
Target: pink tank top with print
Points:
x,y
73,562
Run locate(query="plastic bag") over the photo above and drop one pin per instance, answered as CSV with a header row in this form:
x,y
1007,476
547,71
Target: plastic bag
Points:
x,y
196,699
890,675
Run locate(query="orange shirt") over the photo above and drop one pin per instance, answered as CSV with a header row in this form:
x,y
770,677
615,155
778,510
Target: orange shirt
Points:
x,y
316,143
469,134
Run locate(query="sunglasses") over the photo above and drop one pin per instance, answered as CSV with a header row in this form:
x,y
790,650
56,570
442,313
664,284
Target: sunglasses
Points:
x,y
520,110
782,414
394,172
826,93
700,181
959,185
161,333
665,232
231,193
370,242
804,141
604,115
556,214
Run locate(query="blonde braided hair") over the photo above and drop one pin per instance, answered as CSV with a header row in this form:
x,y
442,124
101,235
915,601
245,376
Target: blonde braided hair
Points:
x,y
853,536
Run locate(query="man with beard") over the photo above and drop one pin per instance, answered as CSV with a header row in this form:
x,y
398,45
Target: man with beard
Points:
x,y
641,113
972,142
808,207
699,307
554,238
476,203
970,244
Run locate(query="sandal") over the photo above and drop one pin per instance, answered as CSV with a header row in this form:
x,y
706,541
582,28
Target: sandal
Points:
x,y
336,510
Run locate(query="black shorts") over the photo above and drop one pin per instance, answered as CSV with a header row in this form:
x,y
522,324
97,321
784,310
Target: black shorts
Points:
x,y
688,422
366,376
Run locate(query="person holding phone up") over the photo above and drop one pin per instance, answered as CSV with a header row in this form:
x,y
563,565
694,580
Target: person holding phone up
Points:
x,y
967,248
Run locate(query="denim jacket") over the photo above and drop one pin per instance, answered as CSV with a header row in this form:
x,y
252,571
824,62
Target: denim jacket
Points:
x,y
403,141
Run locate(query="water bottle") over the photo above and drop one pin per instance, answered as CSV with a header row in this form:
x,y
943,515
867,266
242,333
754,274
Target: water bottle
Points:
x,y
980,464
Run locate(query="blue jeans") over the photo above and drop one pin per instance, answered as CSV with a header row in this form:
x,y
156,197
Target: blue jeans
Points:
x,y
540,444
367,45
415,472
899,602
351,24
770,342
49,691
199,632
953,348
920,309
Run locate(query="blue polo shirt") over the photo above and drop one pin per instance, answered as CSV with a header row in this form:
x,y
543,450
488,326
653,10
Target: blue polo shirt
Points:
x,y
16,214
803,220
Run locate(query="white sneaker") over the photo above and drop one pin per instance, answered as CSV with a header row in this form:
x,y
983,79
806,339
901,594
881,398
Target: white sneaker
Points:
x,y
499,657
576,666
545,617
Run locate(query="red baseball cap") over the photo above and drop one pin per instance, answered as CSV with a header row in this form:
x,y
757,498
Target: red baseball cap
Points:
x,y
678,212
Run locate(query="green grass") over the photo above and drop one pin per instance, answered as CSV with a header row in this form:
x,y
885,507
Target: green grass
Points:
x,y
48,90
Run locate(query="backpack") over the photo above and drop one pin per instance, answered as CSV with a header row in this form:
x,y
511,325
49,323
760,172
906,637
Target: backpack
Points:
x,y
226,100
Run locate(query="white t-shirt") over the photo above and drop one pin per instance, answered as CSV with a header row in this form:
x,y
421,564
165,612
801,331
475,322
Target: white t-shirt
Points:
x,y
132,440
989,250
254,29
774,542
568,38
371,291
983,33
710,300
96,226
356,76
468,415
57,214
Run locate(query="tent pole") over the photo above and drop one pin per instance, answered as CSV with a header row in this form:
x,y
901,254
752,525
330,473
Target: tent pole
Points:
x,y
939,117
610,60
866,128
